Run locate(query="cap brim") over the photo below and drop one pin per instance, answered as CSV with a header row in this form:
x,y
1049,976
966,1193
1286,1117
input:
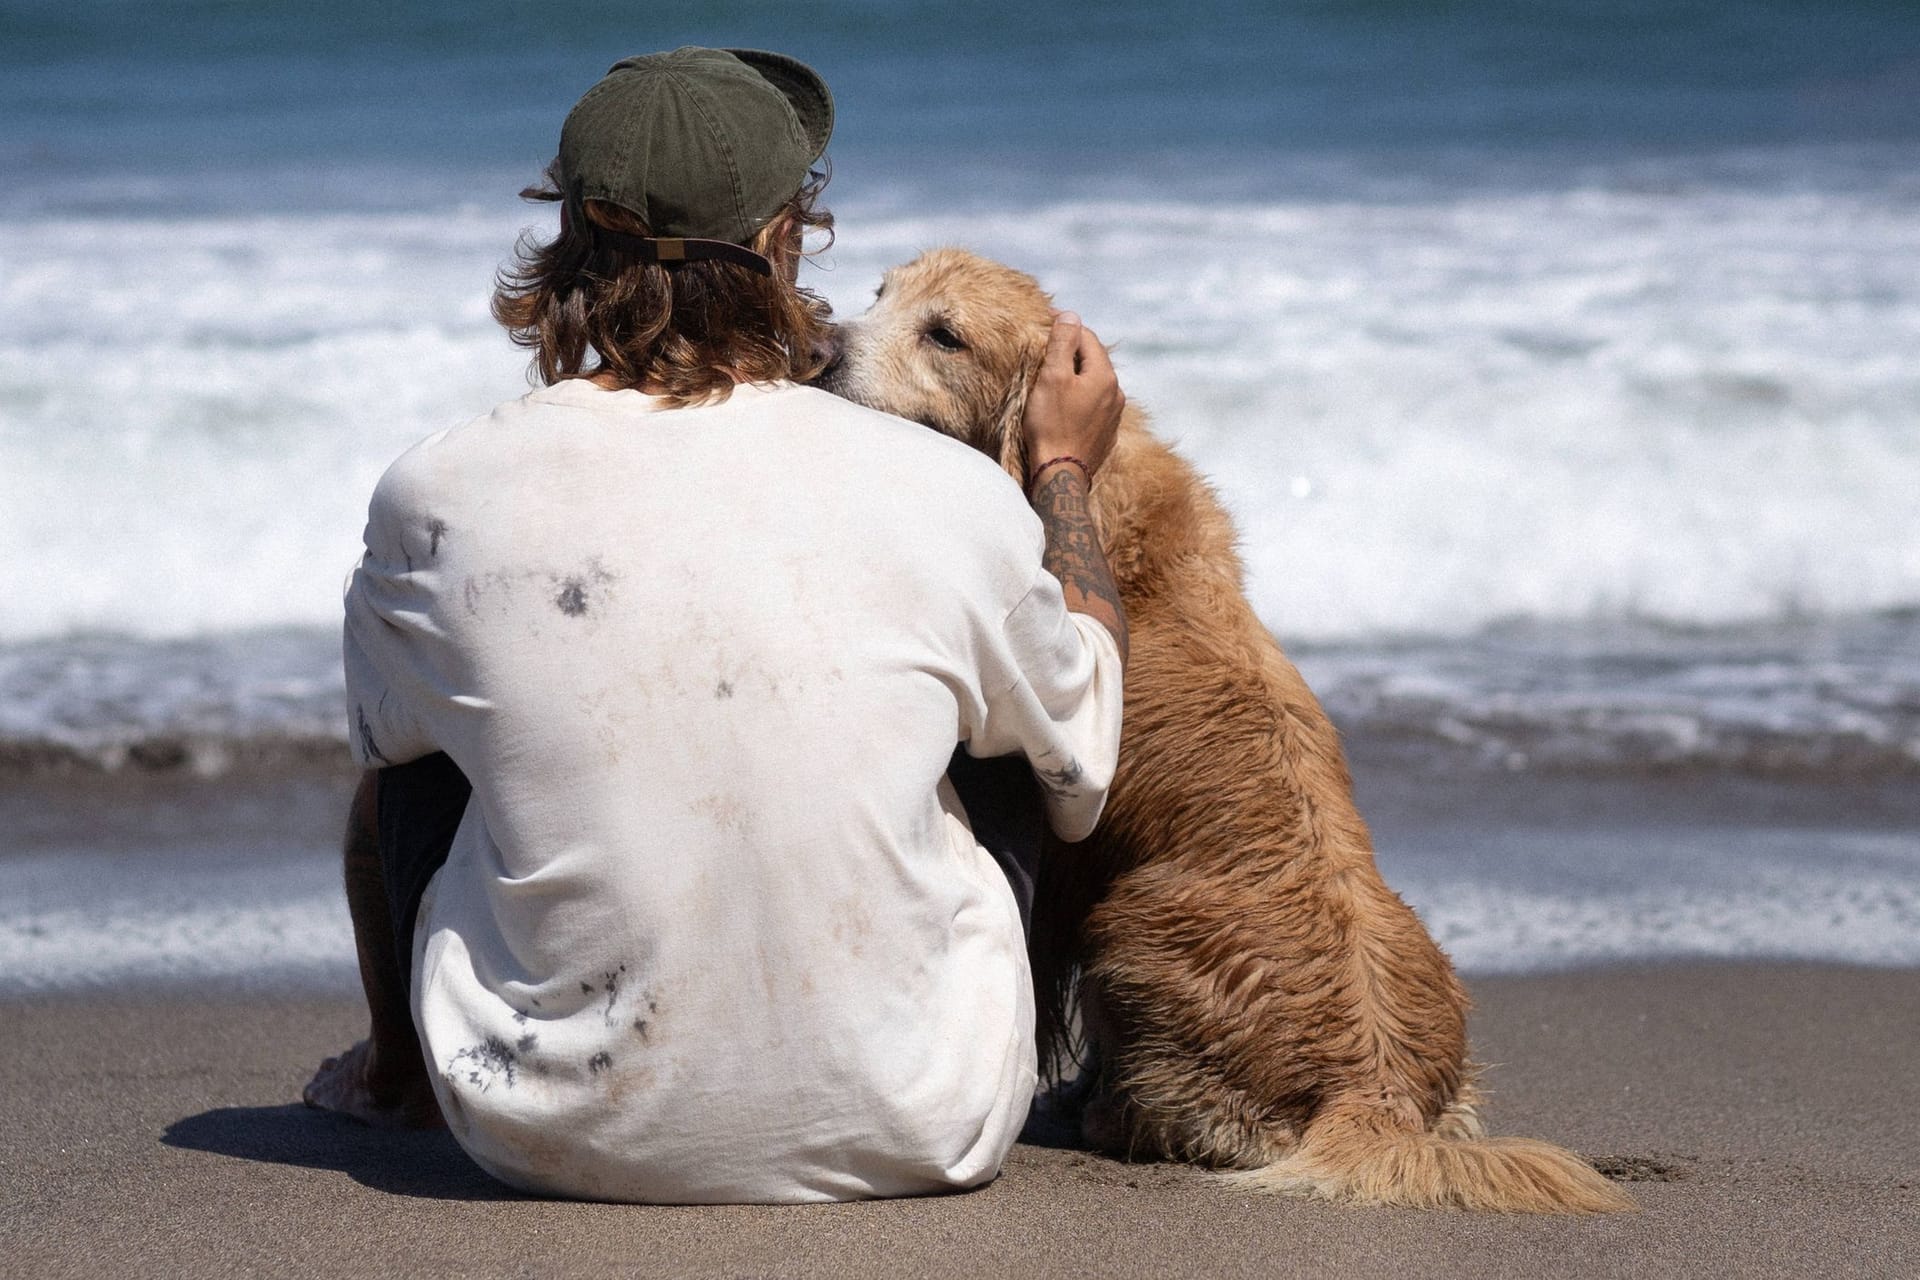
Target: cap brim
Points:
x,y
803,89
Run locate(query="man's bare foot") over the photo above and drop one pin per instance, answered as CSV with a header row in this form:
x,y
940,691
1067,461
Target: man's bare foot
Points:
x,y
354,1085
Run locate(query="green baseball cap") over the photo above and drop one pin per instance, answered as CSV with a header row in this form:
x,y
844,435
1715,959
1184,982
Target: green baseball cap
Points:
x,y
705,145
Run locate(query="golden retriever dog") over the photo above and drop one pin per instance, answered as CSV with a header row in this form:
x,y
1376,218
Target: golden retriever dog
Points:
x,y
1251,994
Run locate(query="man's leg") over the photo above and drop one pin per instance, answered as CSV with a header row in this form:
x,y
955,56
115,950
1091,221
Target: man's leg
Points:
x,y
1008,815
399,830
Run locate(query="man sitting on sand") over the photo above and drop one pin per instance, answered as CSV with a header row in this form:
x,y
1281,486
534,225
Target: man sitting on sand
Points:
x,y
714,925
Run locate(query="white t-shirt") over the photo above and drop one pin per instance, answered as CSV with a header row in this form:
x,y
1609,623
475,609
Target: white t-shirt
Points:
x,y
714,927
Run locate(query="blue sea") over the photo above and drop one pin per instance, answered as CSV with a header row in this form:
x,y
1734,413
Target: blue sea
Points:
x,y
1558,361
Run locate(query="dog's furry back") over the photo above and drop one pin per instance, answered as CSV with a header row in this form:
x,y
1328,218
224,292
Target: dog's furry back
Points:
x,y
1261,999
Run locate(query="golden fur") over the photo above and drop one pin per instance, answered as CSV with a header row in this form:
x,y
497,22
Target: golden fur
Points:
x,y
1254,996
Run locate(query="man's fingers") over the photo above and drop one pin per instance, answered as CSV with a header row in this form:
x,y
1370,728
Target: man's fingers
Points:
x,y
1063,340
1093,354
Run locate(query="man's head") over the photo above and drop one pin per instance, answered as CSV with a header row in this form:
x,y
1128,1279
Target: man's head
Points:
x,y
687,182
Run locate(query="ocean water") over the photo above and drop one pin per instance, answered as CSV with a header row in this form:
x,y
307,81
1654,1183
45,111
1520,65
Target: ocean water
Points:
x,y
1556,359
220,887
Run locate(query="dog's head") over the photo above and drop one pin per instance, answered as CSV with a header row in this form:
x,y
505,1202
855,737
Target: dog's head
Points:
x,y
952,341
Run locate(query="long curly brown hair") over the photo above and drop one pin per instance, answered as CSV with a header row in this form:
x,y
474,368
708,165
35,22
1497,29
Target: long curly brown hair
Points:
x,y
689,331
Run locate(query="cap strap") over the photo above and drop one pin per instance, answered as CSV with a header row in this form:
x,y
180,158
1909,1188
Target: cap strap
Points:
x,y
671,250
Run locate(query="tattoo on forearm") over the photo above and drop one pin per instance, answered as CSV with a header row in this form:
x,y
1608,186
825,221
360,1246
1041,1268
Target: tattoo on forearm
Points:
x,y
1062,783
1073,552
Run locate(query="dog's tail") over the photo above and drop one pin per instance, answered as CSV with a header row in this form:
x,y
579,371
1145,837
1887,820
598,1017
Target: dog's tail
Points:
x,y
1370,1151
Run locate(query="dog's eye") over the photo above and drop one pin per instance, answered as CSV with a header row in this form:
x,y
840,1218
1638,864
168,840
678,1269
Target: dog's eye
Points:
x,y
945,338
881,292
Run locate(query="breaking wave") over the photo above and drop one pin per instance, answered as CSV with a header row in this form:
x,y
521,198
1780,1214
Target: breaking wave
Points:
x,y
1635,395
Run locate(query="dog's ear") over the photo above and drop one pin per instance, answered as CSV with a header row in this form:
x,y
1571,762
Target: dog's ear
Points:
x,y
1008,442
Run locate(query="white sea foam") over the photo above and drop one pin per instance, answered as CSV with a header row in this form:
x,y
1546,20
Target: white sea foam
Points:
x,y
1672,400
299,934
220,897
300,943
1804,914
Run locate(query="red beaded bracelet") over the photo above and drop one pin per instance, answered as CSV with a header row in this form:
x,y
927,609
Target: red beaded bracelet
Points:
x,y
1068,458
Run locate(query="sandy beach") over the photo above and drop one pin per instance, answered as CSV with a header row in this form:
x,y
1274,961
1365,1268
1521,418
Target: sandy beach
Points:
x,y
1767,1118
1765,1114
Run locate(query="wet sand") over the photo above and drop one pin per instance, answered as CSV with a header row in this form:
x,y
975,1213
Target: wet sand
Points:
x,y
1768,1116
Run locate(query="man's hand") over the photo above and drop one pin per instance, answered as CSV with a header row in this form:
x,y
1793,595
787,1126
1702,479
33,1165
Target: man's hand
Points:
x,y
1074,407
1074,411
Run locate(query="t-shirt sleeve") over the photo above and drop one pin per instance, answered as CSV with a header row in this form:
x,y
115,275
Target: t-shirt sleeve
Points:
x,y
1052,692
387,642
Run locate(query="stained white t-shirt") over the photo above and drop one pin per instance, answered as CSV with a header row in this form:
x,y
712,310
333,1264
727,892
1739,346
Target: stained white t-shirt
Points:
x,y
714,927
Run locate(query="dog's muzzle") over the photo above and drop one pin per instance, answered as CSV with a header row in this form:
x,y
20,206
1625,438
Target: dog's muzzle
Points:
x,y
830,349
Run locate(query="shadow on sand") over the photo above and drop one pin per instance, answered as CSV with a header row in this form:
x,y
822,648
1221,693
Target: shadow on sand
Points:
x,y
428,1164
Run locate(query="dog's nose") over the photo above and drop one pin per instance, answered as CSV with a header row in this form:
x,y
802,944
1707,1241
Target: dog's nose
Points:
x,y
829,348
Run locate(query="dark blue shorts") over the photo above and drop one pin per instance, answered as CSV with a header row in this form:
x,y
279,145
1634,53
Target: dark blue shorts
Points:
x,y
421,803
